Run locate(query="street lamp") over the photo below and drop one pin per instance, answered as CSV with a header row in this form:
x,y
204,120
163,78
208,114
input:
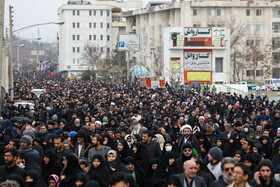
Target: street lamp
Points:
x,y
19,45
39,24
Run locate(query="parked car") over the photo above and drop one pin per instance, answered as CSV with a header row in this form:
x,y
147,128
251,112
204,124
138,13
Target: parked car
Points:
x,y
24,103
38,92
272,84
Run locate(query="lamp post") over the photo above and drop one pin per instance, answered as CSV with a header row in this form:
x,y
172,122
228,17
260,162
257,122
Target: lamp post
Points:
x,y
19,45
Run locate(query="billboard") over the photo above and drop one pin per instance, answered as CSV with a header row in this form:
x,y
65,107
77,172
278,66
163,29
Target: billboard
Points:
x,y
198,60
198,76
129,42
193,32
218,35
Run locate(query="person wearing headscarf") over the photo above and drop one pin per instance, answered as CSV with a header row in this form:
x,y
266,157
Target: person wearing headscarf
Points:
x,y
129,140
140,155
165,169
31,162
98,171
123,150
231,146
152,167
248,160
266,146
34,179
53,180
70,170
113,163
135,170
81,180
18,178
276,159
50,165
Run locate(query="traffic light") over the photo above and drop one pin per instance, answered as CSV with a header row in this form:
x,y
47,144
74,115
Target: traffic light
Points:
x,y
34,69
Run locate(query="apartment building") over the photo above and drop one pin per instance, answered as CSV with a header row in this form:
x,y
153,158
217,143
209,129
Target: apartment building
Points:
x,y
260,21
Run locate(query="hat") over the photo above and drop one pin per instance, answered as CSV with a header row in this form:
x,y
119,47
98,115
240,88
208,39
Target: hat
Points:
x,y
30,133
26,139
184,127
72,133
112,152
267,163
215,153
98,122
237,124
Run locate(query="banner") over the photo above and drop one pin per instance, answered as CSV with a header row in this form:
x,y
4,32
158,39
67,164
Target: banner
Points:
x,y
198,61
175,66
180,41
218,36
191,32
199,76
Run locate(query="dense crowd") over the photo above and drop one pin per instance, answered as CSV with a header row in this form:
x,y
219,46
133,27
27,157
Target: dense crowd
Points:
x,y
103,134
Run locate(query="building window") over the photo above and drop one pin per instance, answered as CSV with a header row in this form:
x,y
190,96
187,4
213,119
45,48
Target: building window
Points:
x,y
116,19
78,61
276,27
90,37
276,13
248,12
73,25
78,25
108,25
276,42
78,37
78,12
220,12
101,25
90,12
73,37
74,61
78,49
219,65
259,73
108,50
94,25
259,12
211,12
94,37
249,43
101,49
196,12
101,12
259,43
249,73
275,57
108,13
101,37
73,49
94,12
250,27
211,25
259,27
73,12
108,38
196,25
221,25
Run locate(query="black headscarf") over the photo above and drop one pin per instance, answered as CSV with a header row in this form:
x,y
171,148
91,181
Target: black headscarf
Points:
x,y
53,167
125,152
139,172
141,156
31,162
100,173
37,179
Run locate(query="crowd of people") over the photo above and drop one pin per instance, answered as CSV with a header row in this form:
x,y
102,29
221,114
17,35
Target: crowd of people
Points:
x,y
104,134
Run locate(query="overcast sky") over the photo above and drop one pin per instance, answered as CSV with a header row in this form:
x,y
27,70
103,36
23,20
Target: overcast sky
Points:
x,y
29,12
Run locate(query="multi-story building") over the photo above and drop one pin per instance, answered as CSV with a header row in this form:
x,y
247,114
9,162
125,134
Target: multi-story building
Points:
x,y
97,23
253,24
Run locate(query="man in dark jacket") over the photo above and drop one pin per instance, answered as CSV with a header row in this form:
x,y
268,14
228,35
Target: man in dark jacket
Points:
x,y
60,150
189,177
10,166
152,147
227,167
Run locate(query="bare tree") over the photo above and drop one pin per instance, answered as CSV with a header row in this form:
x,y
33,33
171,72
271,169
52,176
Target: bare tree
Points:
x,y
254,58
92,56
158,63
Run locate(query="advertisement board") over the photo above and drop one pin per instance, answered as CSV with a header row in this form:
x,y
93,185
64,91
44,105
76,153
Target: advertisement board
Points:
x,y
193,32
198,60
175,65
218,35
180,41
129,42
198,76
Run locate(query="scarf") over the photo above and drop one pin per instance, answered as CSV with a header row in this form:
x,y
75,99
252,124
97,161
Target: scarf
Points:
x,y
82,150
113,165
132,172
25,149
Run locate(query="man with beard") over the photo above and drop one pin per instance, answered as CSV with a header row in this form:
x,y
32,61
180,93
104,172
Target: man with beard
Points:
x,y
10,166
264,175
186,131
98,148
60,150
189,177
227,167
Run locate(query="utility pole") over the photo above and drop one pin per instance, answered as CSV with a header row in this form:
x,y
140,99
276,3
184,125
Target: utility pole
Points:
x,y
2,11
234,66
11,53
128,69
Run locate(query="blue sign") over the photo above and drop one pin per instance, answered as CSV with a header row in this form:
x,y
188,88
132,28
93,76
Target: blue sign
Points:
x,y
121,44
